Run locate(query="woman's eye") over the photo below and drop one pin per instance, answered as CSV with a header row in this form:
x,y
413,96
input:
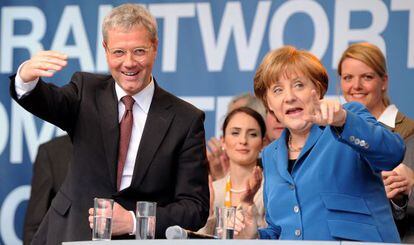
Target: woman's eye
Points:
x,y
234,133
368,77
347,78
277,90
298,85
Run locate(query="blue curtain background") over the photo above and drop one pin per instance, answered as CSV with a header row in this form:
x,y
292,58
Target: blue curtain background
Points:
x,y
208,52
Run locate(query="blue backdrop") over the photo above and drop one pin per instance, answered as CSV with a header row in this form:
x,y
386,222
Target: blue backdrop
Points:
x,y
208,52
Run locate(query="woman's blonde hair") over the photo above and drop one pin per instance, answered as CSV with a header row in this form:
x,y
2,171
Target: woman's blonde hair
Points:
x,y
286,61
370,55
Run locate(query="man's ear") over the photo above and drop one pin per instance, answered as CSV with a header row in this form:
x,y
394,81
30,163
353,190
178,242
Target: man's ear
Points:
x,y
155,44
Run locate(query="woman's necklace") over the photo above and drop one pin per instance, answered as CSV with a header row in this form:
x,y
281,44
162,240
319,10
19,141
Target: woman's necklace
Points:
x,y
290,146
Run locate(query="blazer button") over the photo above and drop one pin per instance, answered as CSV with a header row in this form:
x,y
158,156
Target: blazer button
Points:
x,y
292,187
357,141
366,146
362,143
351,138
296,209
297,232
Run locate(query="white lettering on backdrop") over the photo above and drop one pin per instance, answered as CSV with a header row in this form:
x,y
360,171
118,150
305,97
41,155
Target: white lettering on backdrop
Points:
x,y
215,41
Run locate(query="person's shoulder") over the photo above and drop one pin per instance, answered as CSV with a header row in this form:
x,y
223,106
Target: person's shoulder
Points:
x,y
406,119
58,142
180,105
406,125
219,183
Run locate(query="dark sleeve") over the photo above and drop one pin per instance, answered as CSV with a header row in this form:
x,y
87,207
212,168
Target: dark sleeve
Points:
x,y
409,153
403,215
57,105
41,194
191,205
409,161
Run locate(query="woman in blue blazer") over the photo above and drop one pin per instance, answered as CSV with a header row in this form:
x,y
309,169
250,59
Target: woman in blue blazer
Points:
x,y
322,176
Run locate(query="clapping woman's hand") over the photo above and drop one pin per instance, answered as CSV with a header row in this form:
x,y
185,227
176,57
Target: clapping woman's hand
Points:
x,y
246,220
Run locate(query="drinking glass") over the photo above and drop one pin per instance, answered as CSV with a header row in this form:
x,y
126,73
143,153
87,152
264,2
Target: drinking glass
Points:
x,y
102,219
146,212
226,219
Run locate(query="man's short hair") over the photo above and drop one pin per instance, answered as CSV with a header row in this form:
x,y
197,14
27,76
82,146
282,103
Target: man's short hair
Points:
x,y
127,16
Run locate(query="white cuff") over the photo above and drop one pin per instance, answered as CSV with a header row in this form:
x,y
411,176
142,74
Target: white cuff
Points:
x,y
21,87
134,227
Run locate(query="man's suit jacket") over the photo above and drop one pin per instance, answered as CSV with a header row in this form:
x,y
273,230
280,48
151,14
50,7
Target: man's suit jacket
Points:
x,y
170,166
405,127
335,190
408,221
49,172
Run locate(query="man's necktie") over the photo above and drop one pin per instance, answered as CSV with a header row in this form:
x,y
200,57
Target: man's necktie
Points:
x,y
125,129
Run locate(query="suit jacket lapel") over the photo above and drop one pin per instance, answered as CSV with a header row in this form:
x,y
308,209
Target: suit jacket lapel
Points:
x,y
107,104
157,124
398,120
281,157
313,137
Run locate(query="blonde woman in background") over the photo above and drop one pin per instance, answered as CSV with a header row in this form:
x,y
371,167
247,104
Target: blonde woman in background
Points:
x,y
364,78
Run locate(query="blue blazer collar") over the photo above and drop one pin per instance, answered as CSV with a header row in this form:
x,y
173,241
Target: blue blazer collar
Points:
x,y
315,133
280,155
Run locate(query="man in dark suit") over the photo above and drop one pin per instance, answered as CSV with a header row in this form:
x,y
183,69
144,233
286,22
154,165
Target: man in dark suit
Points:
x,y
49,171
409,159
164,158
404,217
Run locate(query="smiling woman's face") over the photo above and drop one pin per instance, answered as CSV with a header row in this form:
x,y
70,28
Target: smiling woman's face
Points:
x,y
361,83
242,139
290,98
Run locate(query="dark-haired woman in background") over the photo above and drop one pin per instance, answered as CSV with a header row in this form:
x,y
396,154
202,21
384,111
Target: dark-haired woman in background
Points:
x,y
244,130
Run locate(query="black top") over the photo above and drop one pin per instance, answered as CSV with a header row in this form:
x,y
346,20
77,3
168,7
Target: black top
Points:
x,y
291,162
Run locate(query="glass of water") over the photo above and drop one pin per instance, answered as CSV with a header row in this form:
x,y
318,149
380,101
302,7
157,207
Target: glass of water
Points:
x,y
145,220
102,219
226,219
